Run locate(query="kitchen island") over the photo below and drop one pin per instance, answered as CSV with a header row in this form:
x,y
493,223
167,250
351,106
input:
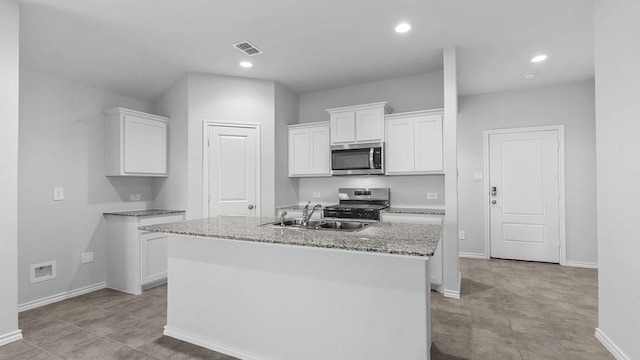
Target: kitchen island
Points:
x,y
265,292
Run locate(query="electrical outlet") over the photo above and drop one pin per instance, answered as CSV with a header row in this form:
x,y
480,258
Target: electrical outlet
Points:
x,y
432,196
134,197
87,257
58,193
316,194
462,235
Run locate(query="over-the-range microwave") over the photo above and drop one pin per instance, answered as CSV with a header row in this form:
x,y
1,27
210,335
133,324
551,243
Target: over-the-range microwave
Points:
x,y
357,159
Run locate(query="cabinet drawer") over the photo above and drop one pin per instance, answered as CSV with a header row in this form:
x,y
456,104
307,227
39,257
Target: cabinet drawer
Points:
x,y
154,220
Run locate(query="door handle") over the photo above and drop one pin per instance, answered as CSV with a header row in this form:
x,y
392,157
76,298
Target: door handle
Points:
x,y
494,191
250,206
494,202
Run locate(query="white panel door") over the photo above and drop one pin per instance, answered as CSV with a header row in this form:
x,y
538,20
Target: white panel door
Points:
x,y
428,143
320,150
343,127
232,170
369,124
400,146
524,215
145,148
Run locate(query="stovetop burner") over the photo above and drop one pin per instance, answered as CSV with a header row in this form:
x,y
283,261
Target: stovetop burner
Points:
x,y
359,204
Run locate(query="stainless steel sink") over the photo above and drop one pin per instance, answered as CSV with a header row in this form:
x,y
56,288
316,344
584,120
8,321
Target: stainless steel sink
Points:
x,y
335,225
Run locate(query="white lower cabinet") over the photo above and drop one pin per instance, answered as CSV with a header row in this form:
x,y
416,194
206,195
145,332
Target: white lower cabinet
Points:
x,y
136,260
436,259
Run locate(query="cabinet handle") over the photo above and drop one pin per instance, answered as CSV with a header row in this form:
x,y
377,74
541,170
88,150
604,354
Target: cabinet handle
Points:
x,y
250,206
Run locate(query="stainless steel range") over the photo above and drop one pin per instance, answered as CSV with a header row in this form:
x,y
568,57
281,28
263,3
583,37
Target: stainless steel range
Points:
x,y
359,203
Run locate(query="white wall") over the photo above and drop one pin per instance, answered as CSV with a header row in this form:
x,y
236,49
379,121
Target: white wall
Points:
x,y
286,106
409,93
62,143
569,104
9,70
617,33
172,190
406,191
229,99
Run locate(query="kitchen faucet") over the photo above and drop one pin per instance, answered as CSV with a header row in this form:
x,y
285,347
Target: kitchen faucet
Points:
x,y
305,213
282,215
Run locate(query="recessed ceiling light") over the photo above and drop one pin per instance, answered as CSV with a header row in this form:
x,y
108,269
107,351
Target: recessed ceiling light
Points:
x,y
403,28
530,75
246,64
539,58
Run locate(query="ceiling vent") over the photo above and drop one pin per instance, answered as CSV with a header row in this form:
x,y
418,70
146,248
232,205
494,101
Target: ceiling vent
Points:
x,y
247,48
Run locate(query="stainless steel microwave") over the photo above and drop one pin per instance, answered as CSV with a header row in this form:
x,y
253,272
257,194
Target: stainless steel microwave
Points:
x,y
357,159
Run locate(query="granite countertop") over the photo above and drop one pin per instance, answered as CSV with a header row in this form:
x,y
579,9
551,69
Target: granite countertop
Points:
x,y
146,212
297,207
386,238
421,211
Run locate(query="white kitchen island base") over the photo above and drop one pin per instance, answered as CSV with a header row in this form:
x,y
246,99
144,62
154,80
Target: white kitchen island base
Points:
x,y
256,300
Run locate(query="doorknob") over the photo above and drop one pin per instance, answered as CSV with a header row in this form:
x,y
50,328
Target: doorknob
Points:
x,y
250,206
494,202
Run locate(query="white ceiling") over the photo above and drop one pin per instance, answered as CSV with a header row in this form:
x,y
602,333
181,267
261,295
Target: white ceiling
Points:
x,y
139,48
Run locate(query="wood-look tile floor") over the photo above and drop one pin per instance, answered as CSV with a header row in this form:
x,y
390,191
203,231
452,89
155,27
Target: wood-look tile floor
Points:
x,y
508,310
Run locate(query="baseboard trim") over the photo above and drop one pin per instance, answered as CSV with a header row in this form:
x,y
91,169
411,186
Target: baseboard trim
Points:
x,y
613,349
451,294
61,296
200,340
472,255
581,264
10,337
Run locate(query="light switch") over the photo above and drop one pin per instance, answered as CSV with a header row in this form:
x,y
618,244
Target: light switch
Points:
x,y
432,196
58,193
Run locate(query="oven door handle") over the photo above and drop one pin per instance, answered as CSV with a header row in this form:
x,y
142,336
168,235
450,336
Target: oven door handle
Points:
x,y
371,165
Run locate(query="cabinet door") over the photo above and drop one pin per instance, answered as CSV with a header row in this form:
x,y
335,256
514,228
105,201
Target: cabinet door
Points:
x,y
299,156
400,146
428,143
343,127
320,150
369,125
153,256
145,146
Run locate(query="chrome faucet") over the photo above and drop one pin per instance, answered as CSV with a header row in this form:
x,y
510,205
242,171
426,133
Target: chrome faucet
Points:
x,y
305,213
282,215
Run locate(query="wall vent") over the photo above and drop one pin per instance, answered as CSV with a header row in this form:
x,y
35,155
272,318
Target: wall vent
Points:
x,y
247,48
43,271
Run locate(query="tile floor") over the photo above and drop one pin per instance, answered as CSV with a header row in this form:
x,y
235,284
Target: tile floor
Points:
x,y
508,310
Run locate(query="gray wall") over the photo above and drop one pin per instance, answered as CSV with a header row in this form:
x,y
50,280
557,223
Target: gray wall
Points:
x,y
617,33
286,114
62,143
9,63
419,92
229,99
569,104
425,91
172,190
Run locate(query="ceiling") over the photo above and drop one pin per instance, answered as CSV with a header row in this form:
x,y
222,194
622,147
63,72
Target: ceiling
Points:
x,y
139,48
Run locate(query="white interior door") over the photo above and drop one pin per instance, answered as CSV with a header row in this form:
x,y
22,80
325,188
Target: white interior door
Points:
x,y
524,195
232,170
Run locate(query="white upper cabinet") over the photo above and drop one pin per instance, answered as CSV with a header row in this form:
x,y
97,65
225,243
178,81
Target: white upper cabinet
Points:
x,y
309,150
414,143
136,143
358,124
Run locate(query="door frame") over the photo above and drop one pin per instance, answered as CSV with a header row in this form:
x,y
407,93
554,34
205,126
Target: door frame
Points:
x,y
561,184
205,162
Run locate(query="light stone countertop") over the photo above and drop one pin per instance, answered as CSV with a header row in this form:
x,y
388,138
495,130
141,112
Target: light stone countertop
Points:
x,y
145,212
385,238
421,211
298,207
